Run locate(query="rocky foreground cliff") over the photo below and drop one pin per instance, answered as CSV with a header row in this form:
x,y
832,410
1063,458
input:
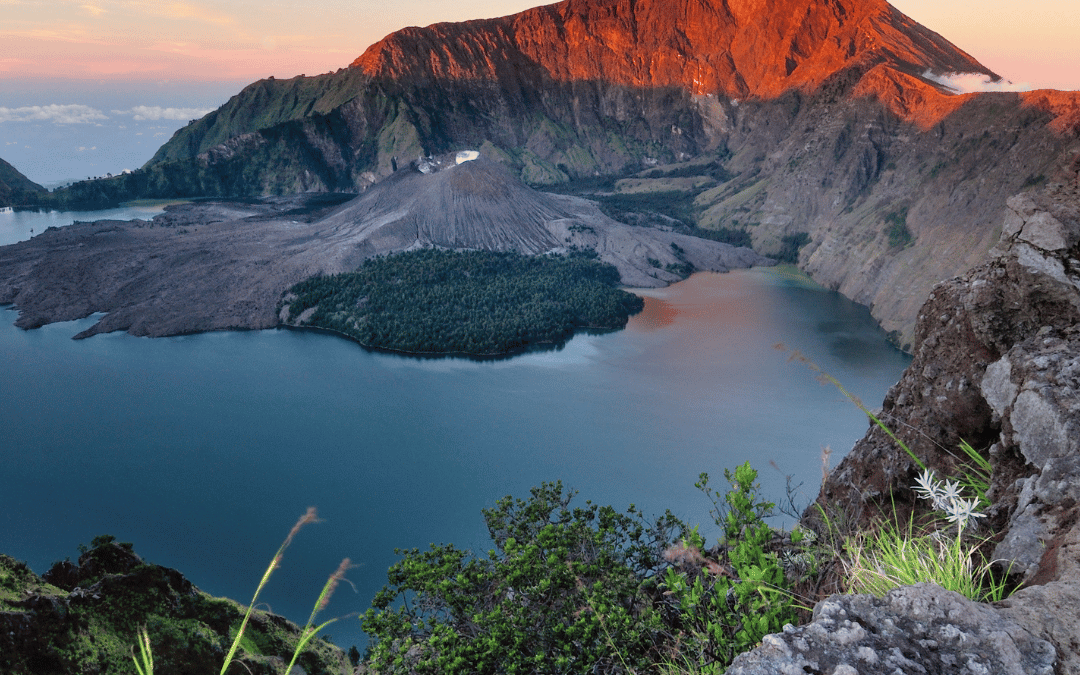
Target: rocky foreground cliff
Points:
x,y
997,365
827,119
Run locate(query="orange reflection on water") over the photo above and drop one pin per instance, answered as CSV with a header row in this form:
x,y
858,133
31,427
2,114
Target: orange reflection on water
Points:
x,y
704,298
657,314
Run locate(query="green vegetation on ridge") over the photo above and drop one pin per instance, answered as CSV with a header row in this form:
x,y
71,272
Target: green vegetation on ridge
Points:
x,y
464,302
83,619
580,589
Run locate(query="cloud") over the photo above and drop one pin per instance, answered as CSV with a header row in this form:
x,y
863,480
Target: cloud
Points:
x,y
93,9
141,113
60,114
967,83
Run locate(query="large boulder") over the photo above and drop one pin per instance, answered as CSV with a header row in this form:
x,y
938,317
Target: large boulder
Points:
x,y
913,630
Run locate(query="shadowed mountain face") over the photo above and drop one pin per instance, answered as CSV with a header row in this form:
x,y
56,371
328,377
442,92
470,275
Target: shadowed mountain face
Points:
x,y
14,187
818,115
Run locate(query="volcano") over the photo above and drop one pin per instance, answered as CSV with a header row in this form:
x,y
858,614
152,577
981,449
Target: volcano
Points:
x,y
214,266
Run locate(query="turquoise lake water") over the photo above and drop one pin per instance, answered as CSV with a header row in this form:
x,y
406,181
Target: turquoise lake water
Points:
x,y
203,450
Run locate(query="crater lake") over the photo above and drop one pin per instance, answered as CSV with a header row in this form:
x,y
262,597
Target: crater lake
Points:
x,y
203,450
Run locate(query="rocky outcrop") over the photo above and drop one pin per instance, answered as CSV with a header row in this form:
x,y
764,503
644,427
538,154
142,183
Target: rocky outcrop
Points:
x,y
83,618
982,339
998,365
914,630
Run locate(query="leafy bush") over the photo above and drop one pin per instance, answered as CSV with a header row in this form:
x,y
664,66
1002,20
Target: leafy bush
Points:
x,y
675,204
564,590
726,605
576,590
897,230
726,235
790,245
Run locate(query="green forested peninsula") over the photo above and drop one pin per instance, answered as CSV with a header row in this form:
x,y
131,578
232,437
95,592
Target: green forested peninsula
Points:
x,y
435,301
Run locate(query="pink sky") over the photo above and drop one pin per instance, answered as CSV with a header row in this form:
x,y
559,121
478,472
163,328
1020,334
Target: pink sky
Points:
x,y
1035,43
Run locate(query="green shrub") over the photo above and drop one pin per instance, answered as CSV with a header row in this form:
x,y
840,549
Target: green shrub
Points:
x,y
587,589
897,230
564,590
790,245
725,606
726,235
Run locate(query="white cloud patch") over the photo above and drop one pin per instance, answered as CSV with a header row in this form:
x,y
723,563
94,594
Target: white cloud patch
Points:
x,y
968,83
142,113
60,114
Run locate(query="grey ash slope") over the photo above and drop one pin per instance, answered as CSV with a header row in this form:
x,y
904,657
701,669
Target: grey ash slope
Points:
x,y
479,204
218,265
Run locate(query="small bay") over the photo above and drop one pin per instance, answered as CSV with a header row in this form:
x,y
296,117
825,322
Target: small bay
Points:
x,y
16,225
204,449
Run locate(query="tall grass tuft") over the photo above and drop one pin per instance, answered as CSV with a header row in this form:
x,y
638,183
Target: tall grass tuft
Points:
x,y
897,556
324,598
144,662
901,554
310,517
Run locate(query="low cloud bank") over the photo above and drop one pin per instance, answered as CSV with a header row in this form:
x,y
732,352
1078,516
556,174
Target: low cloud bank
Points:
x,y
968,83
59,114
84,114
146,112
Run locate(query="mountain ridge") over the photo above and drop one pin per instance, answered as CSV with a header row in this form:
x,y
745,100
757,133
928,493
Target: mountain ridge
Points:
x,y
16,188
705,47
491,69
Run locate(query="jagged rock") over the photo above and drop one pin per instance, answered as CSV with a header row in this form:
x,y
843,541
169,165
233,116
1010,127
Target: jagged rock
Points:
x,y
998,364
995,361
110,558
914,630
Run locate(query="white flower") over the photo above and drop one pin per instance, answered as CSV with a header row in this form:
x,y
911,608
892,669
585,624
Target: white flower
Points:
x,y
946,498
950,491
926,485
962,510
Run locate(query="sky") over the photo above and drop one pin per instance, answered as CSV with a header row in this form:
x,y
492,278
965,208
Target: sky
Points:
x,y
1035,42
89,87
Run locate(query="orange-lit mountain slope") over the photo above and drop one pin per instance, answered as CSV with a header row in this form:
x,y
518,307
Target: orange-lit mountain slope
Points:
x,y
742,48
